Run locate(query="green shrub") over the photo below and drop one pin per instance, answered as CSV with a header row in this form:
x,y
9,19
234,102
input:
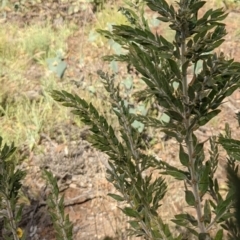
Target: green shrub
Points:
x,y
10,184
11,178
189,101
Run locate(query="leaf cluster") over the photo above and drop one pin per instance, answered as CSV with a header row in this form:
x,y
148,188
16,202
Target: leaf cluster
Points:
x,y
127,163
189,100
194,102
10,184
158,61
62,225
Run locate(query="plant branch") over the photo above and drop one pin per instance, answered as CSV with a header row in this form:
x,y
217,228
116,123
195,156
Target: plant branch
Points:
x,y
11,220
189,137
217,218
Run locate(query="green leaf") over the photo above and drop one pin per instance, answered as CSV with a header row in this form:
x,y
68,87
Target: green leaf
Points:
x,y
61,201
175,68
187,218
214,45
203,236
185,66
194,232
216,187
163,19
226,216
204,179
230,91
196,6
191,92
192,220
189,197
207,212
234,185
130,212
165,42
179,175
223,207
18,216
199,148
219,235
172,134
134,224
216,13
174,115
231,146
116,197
184,158
208,117
161,7
180,222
